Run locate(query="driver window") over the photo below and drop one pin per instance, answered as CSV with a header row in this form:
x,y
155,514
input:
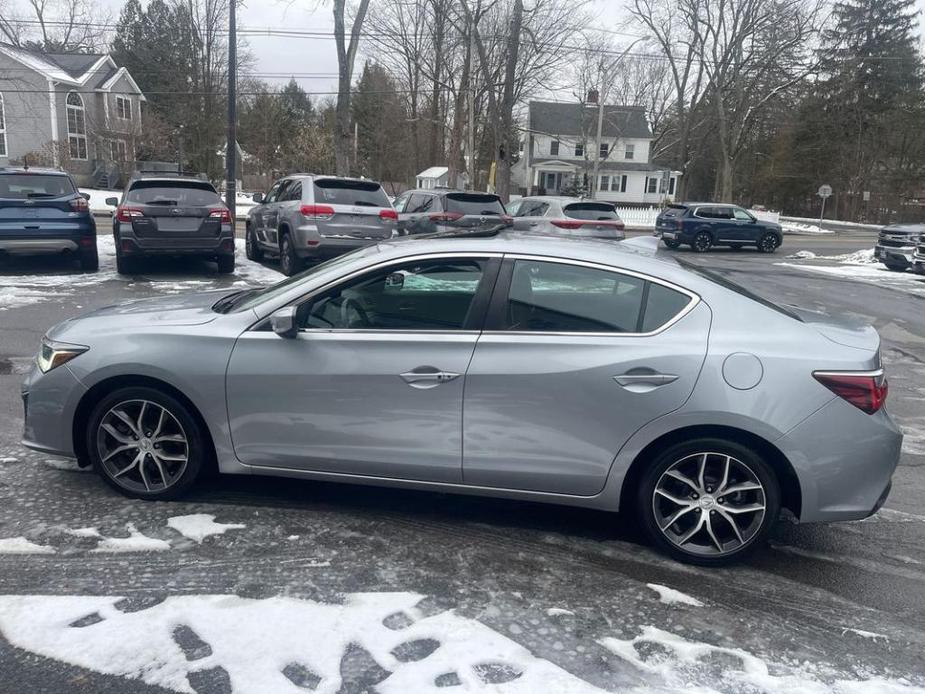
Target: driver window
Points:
x,y
273,192
422,295
742,215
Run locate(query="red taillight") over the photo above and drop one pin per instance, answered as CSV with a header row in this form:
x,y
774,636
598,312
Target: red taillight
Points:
x,y
87,241
125,214
317,211
388,215
445,216
80,204
579,223
567,224
866,391
221,213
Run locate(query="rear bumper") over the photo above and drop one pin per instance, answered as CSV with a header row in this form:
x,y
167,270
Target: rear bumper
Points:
x,y
312,245
210,246
47,241
844,460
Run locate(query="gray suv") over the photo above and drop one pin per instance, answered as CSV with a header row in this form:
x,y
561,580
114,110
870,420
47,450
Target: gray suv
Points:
x,y
307,217
567,216
447,211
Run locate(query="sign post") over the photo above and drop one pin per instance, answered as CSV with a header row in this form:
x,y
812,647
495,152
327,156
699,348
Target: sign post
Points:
x,y
824,192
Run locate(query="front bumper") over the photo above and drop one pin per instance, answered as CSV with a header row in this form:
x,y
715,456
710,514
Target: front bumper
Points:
x,y
844,460
895,255
50,402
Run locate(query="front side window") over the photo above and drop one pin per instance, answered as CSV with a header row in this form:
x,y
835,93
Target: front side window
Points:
x,y
742,215
418,295
558,297
293,192
420,203
124,107
76,126
2,127
630,151
273,192
400,203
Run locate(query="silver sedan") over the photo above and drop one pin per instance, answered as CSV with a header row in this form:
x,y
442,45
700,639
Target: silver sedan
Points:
x,y
528,367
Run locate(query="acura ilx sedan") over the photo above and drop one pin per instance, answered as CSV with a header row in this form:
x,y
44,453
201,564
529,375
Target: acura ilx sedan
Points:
x,y
572,372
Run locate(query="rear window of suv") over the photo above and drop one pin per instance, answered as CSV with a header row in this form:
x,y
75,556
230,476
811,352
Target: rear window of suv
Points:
x,y
173,193
31,186
590,210
362,193
473,203
673,211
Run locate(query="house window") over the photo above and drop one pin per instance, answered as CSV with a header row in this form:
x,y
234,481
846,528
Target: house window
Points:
x,y
663,186
117,150
3,152
630,151
605,150
619,184
554,148
671,183
651,185
580,149
605,183
124,107
76,126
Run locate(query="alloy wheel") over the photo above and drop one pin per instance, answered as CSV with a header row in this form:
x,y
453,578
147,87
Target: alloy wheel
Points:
x,y
702,242
709,504
768,243
142,446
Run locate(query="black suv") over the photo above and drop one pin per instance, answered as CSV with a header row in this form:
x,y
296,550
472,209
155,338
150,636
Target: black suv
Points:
x,y
173,216
41,213
703,225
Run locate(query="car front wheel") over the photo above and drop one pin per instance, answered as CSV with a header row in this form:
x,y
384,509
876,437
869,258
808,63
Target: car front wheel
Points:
x,y
145,443
671,243
702,242
708,501
251,249
768,243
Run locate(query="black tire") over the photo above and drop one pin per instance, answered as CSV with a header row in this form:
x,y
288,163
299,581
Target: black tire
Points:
x,y
289,262
197,450
746,467
251,248
126,266
671,243
892,267
90,260
768,243
702,242
225,264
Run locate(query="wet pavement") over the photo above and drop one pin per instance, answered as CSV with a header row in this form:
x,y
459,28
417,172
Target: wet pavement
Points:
x,y
264,585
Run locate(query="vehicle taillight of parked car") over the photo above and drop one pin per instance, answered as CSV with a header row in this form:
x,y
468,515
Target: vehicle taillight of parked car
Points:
x,y
445,216
222,213
578,224
866,391
80,204
388,216
126,214
317,211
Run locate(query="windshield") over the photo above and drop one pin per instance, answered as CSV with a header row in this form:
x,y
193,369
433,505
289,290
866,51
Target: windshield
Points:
x,y
22,186
175,193
339,192
468,203
726,283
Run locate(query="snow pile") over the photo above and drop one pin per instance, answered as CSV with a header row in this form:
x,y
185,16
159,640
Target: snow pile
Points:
x,y
286,644
862,257
814,221
135,542
199,526
803,228
670,596
20,545
802,255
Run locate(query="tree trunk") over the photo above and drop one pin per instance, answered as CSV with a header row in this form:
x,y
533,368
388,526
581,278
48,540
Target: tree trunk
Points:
x,y
346,55
503,144
727,178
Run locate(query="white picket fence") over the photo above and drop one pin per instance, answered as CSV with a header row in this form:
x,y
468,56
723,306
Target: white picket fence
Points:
x,y
644,217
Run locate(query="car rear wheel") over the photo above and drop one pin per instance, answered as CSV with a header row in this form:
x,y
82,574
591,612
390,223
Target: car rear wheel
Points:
x,y
251,249
90,260
290,263
708,501
768,243
126,266
702,242
145,443
225,264
671,243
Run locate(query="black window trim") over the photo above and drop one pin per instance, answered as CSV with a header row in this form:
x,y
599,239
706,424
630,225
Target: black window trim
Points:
x,y
475,319
494,321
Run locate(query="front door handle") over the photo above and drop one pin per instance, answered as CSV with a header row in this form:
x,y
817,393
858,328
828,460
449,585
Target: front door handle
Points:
x,y
425,377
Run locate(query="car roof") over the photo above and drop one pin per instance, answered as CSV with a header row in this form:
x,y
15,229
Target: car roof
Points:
x,y
32,170
171,179
702,204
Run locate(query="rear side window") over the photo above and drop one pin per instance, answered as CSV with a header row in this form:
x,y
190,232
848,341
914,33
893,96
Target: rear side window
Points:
x,y
361,193
590,210
173,193
662,304
31,186
473,203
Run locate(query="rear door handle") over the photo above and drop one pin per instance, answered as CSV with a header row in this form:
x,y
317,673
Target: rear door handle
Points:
x,y
425,377
644,382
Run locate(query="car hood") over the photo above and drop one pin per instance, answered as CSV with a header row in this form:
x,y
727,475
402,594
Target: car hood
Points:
x,y
842,331
182,309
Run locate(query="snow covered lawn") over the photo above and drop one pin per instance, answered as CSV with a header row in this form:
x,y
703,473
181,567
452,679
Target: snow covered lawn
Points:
x,y
859,265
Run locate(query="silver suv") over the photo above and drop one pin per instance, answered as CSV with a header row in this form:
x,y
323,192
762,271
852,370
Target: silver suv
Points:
x,y
307,217
567,216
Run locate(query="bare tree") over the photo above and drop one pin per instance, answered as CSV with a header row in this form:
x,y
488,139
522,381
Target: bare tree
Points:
x,y
58,26
346,56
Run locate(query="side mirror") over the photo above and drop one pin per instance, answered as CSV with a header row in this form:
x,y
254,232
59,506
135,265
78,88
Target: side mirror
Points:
x,y
85,196
114,202
258,198
284,323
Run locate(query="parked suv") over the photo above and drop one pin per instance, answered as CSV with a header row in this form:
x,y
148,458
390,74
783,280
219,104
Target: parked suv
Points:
x,y
307,217
918,258
41,213
896,245
446,210
703,225
174,216
567,216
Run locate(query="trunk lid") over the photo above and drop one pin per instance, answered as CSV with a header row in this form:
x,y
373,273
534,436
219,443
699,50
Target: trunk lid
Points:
x,y
843,331
356,209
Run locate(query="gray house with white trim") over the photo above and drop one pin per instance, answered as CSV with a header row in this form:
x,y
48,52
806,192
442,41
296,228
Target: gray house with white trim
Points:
x,y
78,111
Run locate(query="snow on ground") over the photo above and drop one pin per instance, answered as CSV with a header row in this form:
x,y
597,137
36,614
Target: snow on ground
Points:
x,y
670,596
803,255
814,221
864,634
558,611
199,526
135,542
803,228
82,532
17,291
289,645
66,464
20,545
859,265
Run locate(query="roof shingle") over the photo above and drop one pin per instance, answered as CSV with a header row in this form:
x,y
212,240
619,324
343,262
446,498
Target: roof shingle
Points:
x,y
554,118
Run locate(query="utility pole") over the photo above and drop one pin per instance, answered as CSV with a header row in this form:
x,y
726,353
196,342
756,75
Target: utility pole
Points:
x,y
592,189
231,147
471,104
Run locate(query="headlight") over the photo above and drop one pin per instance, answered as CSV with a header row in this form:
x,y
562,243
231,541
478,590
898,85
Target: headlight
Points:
x,y
54,354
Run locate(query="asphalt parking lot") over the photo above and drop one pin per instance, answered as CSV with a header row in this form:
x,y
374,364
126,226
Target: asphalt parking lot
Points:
x,y
397,591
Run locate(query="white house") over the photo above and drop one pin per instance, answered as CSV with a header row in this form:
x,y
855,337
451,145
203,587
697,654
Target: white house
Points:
x,y
561,145
434,177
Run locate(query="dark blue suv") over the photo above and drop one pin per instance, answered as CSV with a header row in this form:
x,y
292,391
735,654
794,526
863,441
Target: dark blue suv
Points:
x,y
703,225
41,213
